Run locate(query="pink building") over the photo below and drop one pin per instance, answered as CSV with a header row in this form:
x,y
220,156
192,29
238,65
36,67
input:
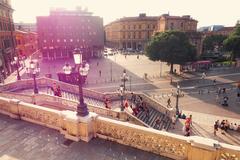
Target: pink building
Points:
x,y
63,31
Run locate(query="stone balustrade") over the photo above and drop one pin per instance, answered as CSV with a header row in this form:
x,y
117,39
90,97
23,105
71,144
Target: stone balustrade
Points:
x,y
85,128
65,104
47,82
164,143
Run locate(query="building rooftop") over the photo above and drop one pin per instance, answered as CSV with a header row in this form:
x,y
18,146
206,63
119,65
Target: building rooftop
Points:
x,y
25,141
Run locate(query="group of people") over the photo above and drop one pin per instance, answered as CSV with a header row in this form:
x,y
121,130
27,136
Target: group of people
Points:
x,y
56,90
224,126
222,96
140,105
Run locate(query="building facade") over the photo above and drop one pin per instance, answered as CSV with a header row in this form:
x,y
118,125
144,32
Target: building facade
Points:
x,y
7,38
63,31
182,23
27,27
26,43
135,32
130,32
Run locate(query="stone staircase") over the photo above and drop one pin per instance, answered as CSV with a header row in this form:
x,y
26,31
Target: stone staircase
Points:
x,y
165,122
75,97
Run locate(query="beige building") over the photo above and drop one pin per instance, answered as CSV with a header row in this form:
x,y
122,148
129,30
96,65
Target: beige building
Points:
x,y
135,32
184,24
130,32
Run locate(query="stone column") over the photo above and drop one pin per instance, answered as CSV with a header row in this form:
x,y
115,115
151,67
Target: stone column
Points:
x,y
78,128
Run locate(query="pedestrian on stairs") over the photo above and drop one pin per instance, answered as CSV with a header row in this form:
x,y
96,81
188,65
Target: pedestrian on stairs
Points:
x,y
158,122
59,92
54,89
174,119
169,102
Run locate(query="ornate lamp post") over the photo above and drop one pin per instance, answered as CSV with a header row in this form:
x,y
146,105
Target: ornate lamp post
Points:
x,y
122,88
177,99
33,71
16,64
82,109
124,78
121,93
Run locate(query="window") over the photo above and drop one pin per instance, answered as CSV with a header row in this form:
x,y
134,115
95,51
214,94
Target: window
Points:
x,y
71,40
58,40
45,41
65,40
153,26
134,27
140,26
171,26
181,25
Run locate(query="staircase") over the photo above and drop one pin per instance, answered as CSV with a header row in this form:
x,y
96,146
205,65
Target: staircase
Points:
x,y
165,122
75,97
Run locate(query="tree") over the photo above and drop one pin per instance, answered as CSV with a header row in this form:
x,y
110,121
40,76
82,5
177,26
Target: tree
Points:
x,y
232,43
172,47
211,42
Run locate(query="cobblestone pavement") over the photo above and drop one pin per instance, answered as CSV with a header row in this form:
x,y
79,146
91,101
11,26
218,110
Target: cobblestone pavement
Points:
x,y
20,140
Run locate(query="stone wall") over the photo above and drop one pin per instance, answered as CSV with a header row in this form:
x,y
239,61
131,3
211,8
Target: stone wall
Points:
x,y
85,128
164,143
59,103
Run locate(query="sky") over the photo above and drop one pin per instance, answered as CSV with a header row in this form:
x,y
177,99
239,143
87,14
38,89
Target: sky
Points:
x,y
207,12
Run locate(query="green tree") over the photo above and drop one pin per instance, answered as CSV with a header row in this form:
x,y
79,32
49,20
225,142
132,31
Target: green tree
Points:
x,y
172,47
232,43
211,42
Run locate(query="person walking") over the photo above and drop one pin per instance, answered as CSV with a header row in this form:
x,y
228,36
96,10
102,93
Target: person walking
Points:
x,y
59,92
100,73
216,125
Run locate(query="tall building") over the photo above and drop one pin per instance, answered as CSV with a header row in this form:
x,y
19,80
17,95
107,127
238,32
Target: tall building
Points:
x,y
130,32
27,27
26,43
7,38
64,30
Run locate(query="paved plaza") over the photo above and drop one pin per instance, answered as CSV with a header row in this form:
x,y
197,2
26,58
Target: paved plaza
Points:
x,y
20,140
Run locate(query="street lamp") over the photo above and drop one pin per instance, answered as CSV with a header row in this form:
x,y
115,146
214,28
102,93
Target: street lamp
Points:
x,y
16,64
122,88
124,78
82,109
121,93
33,71
177,99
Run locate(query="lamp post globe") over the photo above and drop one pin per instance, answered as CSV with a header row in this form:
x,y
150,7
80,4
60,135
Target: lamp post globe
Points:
x,y
33,71
16,64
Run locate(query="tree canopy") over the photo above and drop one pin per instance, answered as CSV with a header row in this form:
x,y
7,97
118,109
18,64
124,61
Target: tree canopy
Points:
x,y
172,47
232,43
213,43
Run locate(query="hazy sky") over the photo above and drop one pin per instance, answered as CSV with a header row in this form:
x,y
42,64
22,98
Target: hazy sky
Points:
x,y
207,12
